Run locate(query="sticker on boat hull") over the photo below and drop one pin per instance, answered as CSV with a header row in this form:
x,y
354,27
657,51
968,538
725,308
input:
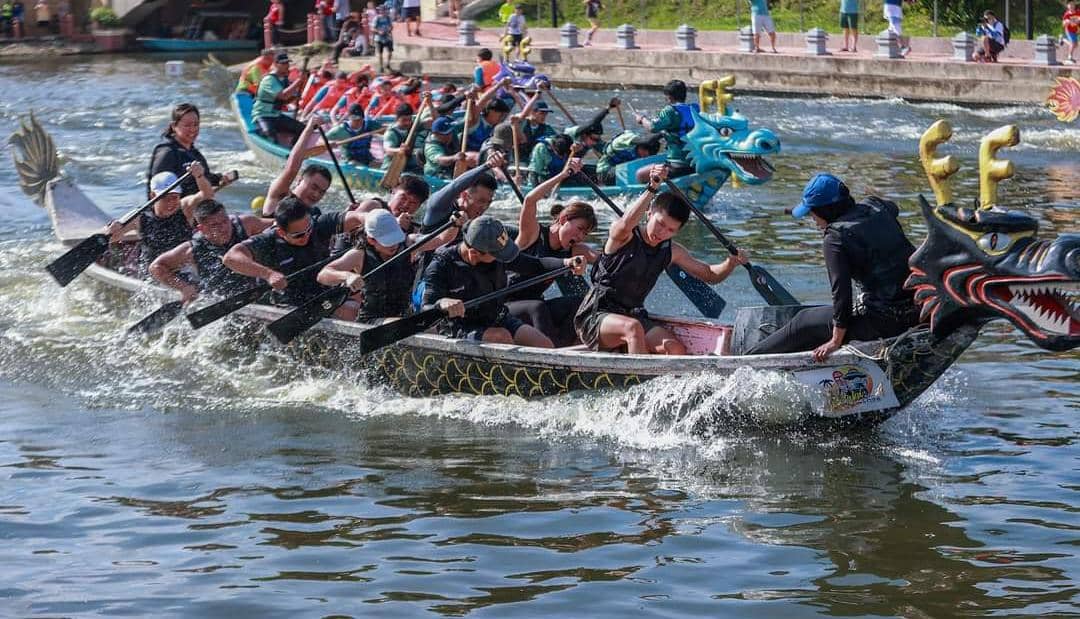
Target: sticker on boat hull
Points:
x,y
850,389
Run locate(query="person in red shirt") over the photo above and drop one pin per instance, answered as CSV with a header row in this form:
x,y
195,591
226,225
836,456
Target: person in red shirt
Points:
x,y
276,17
1070,23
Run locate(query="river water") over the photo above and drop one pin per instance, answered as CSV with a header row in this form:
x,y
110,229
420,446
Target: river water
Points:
x,y
193,476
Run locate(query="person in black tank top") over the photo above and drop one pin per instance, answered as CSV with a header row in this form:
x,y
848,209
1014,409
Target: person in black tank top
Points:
x,y
169,222
216,232
613,314
386,296
562,239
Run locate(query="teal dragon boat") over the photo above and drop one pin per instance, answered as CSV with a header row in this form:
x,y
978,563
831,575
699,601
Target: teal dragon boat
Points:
x,y
721,144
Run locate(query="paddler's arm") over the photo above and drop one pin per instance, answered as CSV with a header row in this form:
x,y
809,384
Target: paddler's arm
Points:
x,y
622,229
840,281
344,271
253,225
447,236
528,106
280,187
490,94
598,119
206,192
240,259
165,267
528,224
708,273
442,203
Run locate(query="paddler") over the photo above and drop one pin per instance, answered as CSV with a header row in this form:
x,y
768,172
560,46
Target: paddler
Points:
x,y
395,137
613,315
863,242
359,150
177,151
215,233
626,147
314,181
274,94
253,73
442,149
675,120
476,265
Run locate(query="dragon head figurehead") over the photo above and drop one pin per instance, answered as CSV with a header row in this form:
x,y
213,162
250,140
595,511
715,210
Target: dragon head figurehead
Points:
x,y
984,263
725,140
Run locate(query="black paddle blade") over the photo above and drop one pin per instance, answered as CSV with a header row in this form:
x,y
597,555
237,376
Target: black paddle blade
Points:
x,y
209,314
704,298
308,315
771,290
157,319
385,334
67,267
572,285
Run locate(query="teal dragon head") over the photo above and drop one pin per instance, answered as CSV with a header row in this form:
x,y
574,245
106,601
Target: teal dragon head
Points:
x,y
726,141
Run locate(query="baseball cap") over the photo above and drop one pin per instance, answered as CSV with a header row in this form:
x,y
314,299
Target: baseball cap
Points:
x,y
282,57
502,135
356,110
161,181
823,189
541,106
442,126
487,234
381,226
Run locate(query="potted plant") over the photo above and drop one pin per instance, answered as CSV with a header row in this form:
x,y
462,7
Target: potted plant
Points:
x,y
108,30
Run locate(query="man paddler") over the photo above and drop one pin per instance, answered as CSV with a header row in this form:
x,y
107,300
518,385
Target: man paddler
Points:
x,y
253,73
314,180
358,150
274,94
386,294
613,315
864,243
297,240
626,147
477,265
215,233
395,137
675,120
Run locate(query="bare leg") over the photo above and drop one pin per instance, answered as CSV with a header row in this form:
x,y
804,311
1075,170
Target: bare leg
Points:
x,y
772,41
757,42
617,330
527,335
662,342
498,335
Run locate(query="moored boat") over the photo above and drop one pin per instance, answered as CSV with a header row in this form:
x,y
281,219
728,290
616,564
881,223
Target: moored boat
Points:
x,y
976,265
158,44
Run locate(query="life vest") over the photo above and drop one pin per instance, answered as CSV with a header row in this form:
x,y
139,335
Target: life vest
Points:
x,y
488,70
250,77
334,91
387,294
624,279
214,276
475,138
686,119
159,235
383,106
359,150
557,163
356,95
314,84
878,253
541,248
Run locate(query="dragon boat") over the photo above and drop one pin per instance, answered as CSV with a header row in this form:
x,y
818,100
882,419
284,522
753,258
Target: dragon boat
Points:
x,y
722,144
976,265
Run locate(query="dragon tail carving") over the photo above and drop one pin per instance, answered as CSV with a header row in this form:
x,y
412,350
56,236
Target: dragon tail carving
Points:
x,y
39,162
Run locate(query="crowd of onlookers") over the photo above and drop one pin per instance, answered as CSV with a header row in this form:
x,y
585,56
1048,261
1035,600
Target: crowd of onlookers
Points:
x,y
44,14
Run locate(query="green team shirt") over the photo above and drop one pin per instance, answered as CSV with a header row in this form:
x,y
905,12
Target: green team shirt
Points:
x,y
668,121
433,149
623,141
539,160
269,88
534,133
395,137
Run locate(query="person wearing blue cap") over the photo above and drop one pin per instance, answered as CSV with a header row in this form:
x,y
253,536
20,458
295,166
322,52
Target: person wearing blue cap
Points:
x,y
535,127
864,243
442,148
358,150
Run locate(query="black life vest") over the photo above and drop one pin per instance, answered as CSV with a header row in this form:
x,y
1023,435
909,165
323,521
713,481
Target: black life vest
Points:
x,y
877,252
541,248
626,278
214,276
182,157
160,235
388,293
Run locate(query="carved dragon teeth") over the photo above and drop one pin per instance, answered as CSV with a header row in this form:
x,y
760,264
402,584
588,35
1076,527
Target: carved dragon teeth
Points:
x,y
1052,306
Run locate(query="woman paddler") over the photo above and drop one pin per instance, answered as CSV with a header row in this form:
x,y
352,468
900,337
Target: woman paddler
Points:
x,y
613,314
177,151
562,239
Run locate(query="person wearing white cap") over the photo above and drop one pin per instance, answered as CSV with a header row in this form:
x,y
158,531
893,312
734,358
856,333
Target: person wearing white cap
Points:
x,y
386,296
170,221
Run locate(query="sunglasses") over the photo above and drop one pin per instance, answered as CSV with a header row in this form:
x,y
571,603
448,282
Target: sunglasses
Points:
x,y
301,234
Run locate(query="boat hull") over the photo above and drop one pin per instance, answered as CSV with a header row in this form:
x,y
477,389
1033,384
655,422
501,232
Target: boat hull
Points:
x,y
153,44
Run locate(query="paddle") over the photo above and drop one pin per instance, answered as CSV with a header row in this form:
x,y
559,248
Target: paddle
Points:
x,y
68,266
766,285
210,313
319,149
326,303
400,160
385,334
461,164
157,319
561,108
704,298
337,166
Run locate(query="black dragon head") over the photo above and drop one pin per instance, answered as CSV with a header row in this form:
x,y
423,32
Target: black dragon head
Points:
x,y
984,263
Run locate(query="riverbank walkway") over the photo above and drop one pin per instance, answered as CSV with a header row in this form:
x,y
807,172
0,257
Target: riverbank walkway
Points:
x,y
931,72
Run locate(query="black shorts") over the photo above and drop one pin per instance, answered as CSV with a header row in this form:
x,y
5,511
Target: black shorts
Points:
x,y
412,12
591,12
270,126
475,333
995,47
385,45
591,314
515,39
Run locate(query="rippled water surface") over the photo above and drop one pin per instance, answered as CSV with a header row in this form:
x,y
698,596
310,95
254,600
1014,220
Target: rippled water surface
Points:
x,y
194,475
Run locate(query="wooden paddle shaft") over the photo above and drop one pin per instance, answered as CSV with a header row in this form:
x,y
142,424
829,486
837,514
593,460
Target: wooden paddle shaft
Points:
x,y
565,112
390,179
705,220
461,165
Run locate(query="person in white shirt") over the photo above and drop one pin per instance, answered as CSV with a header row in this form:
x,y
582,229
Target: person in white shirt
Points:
x,y
412,14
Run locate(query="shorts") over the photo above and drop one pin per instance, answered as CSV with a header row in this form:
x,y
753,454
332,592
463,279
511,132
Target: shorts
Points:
x,y
412,12
590,314
849,21
1072,37
515,39
760,23
269,126
591,12
475,333
385,45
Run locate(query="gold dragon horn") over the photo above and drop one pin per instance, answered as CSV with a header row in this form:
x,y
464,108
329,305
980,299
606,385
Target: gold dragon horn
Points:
x,y
705,94
991,169
938,169
723,97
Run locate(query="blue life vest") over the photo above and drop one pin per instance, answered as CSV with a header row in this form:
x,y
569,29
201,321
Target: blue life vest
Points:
x,y
686,119
360,150
476,137
557,162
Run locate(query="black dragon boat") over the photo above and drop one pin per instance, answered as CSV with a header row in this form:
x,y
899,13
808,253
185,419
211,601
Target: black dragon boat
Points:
x,y
976,265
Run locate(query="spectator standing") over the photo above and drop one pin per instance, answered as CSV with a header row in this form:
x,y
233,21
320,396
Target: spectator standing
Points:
x,y
894,14
276,17
43,15
1070,24
592,13
18,18
342,9
412,13
991,38
370,14
761,20
849,23
384,38
516,29
325,10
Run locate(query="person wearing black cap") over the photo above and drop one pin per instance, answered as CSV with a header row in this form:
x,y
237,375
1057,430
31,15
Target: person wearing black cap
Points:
x,y
590,134
395,136
275,92
548,158
358,151
535,128
478,265
613,315
864,243
675,120
626,147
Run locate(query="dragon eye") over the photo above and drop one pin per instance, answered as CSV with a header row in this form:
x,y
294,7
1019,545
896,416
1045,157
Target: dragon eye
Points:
x,y
994,242
725,132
